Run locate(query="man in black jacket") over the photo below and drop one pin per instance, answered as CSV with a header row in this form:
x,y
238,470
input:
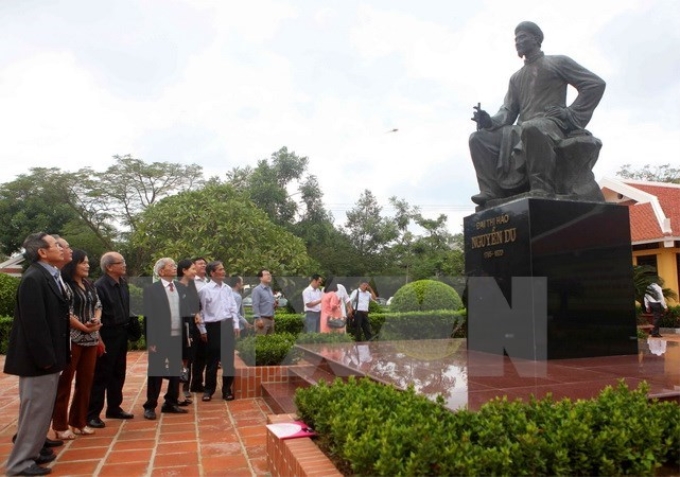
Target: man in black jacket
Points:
x,y
109,374
163,319
38,349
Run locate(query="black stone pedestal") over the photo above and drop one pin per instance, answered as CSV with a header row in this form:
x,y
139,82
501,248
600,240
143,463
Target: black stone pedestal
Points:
x,y
571,265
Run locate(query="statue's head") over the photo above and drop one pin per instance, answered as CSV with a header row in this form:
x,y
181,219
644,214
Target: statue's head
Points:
x,y
528,38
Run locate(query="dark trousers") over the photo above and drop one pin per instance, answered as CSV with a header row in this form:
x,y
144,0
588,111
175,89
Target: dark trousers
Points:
x,y
153,390
157,362
83,362
187,322
220,349
199,355
361,323
109,373
657,311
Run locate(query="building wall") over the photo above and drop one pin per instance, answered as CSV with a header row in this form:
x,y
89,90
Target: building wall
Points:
x,y
667,265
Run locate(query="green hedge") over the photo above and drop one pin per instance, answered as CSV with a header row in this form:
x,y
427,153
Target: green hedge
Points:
x,y
6,328
278,348
8,294
371,429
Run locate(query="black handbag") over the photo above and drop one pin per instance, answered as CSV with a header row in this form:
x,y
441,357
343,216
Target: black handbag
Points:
x,y
336,323
134,330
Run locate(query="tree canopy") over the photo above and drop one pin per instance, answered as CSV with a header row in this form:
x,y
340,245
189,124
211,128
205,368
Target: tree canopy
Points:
x,y
221,224
648,172
269,215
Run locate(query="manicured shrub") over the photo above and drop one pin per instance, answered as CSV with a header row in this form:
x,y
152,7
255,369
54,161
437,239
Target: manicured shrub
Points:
x,y
5,329
374,429
671,318
292,323
8,294
267,350
279,348
426,295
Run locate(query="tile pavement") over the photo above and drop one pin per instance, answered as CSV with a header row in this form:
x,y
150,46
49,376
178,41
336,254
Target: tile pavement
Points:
x,y
217,438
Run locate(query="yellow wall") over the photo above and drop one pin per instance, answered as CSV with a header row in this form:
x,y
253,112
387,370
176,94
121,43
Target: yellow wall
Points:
x,y
666,266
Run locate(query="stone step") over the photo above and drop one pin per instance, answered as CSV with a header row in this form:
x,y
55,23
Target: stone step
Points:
x,y
311,374
665,395
281,396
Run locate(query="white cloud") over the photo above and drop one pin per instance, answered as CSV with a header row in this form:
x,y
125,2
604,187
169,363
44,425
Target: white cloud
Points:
x,y
225,84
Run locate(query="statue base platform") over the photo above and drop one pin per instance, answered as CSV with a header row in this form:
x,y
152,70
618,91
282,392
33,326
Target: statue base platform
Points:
x,y
577,255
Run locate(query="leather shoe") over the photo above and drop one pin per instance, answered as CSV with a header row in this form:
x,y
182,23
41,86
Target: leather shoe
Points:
x,y
228,397
35,469
46,451
185,403
53,442
150,414
44,459
96,423
174,409
119,415
48,442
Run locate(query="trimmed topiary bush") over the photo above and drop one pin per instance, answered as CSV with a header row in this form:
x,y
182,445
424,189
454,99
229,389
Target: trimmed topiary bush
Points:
x,y
426,295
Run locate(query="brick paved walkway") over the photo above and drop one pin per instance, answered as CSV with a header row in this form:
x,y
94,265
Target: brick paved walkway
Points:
x,y
217,438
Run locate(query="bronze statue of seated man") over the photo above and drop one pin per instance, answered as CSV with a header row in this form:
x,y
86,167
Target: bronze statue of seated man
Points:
x,y
548,152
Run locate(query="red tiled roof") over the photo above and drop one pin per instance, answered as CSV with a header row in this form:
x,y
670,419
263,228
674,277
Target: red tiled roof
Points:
x,y
644,224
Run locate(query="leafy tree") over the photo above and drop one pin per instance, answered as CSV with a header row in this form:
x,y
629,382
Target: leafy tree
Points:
x,y
131,185
643,276
87,202
34,202
267,186
371,233
662,173
220,223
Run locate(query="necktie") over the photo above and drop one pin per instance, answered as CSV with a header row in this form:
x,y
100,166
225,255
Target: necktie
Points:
x,y
171,287
60,284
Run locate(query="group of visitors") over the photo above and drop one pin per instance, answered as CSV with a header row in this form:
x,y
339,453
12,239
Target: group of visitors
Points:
x,y
67,327
331,309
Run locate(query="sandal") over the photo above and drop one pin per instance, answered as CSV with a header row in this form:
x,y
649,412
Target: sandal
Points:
x,y
66,435
85,431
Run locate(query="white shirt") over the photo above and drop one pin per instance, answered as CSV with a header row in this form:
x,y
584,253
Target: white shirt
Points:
x,y
309,295
217,304
344,299
200,282
173,301
364,299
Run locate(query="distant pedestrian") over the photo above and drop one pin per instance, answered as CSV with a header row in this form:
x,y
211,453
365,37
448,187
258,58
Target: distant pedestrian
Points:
x,y
655,303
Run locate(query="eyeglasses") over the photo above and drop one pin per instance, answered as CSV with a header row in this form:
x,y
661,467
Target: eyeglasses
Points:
x,y
56,245
118,263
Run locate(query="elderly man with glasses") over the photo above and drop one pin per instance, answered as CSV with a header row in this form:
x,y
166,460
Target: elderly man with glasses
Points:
x,y
109,375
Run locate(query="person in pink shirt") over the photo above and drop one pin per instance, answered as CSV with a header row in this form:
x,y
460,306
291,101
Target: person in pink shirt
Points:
x,y
330,308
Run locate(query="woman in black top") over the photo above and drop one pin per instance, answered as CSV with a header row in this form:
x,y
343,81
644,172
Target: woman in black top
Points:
x,y
189,306
85,324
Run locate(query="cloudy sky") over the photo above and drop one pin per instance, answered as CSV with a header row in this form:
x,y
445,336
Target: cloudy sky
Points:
x,y
225,83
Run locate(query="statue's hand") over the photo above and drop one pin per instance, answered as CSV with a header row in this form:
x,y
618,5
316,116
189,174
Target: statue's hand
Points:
x,y
481,117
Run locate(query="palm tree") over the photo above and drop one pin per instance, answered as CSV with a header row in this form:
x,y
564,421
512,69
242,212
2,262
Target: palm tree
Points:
x,y
643,276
